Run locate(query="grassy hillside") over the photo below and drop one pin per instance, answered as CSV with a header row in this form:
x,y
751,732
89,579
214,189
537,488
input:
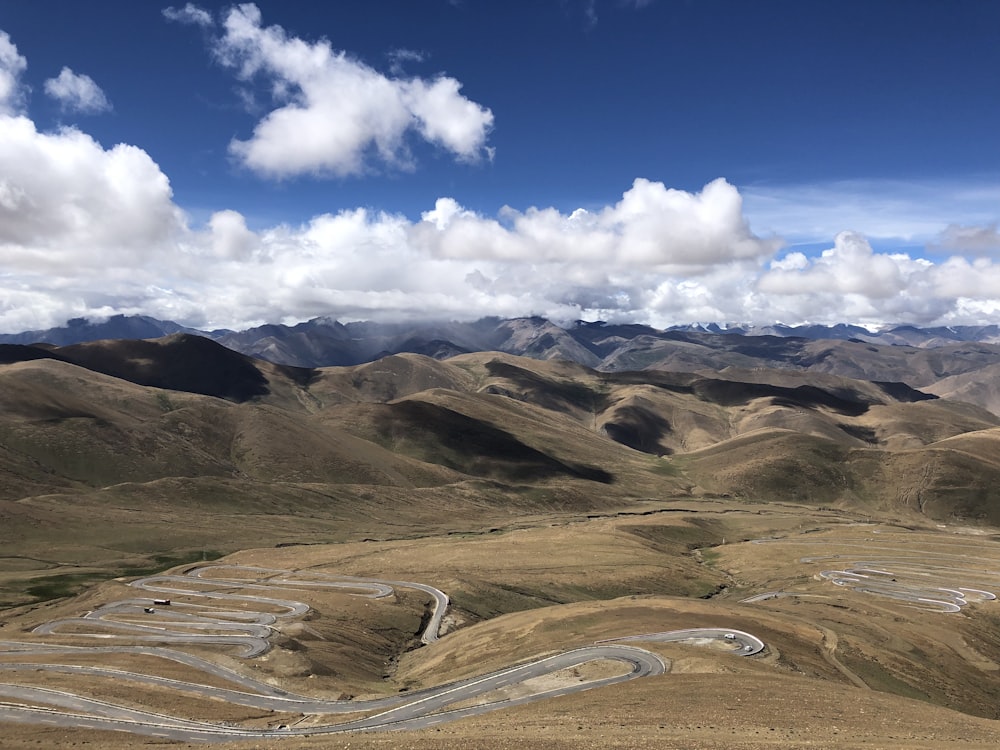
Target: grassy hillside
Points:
x,y
490,431
557,505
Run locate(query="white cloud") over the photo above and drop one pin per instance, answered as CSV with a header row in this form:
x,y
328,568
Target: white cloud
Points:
x,y
230,237
189,14
850,282
960,278
68,206
650,227
89,231
336,114
12,65
77,92
849,267
445,117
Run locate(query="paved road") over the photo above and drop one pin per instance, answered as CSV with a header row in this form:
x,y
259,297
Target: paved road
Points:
x,y
931,581
416,711
187,622
743,643
184,622
906,582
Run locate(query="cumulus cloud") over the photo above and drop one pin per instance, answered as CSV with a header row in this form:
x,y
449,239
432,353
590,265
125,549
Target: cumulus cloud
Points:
x,y
88,230
12,65
230,237
91,229
64,197
651,226
337,114
189,14
83,230
77,92
849,267
852,282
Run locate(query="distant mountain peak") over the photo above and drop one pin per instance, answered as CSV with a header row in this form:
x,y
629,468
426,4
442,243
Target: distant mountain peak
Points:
x,y
325,341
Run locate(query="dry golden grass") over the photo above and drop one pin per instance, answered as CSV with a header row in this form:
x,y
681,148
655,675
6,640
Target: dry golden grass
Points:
x,y
546,533
842,668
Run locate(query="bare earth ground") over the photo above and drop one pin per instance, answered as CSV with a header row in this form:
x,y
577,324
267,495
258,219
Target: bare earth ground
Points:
x,y
843,668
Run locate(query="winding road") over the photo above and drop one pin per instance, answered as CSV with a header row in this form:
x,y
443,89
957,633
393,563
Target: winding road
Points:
x,y
262,595
931,581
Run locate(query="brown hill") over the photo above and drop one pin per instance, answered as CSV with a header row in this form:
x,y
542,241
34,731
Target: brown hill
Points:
x,y
499,431
409,420
631,499
980,387
179,362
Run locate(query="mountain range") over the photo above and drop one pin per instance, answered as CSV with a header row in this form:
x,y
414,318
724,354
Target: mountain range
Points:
x,y
322,341
634,473
95,415
962,362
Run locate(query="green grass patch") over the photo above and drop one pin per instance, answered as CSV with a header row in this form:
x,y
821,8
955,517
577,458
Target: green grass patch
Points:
x,y
668,537
492,601
164,402
70,584
666,467
64,584
878,678
162,562
710,557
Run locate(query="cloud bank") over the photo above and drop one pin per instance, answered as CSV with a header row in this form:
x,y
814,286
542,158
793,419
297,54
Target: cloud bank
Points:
x,y
88,230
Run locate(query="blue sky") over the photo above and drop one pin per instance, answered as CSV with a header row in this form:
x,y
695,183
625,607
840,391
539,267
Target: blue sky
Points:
x,y
662,161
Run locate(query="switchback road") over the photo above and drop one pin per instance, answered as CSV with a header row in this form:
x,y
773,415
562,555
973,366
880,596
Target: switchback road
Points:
x,y
211,623
932,581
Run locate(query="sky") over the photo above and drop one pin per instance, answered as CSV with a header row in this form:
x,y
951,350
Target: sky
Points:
x,y
653,161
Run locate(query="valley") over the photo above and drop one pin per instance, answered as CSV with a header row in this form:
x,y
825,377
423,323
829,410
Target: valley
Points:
x,y
299,520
